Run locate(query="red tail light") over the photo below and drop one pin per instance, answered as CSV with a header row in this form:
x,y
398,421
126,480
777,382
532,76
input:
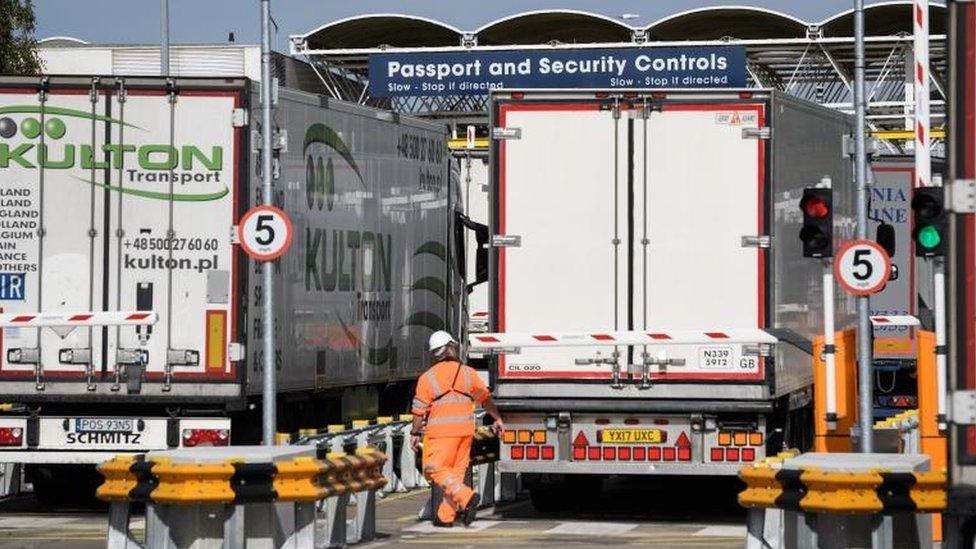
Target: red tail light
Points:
x,y
548,452
623,454
718,454
602,95
732,454
531,452
748,454
609,453
11,436
518,95
579,453
593,453
653,453
669,454
205,437
684,453
640,454
518,452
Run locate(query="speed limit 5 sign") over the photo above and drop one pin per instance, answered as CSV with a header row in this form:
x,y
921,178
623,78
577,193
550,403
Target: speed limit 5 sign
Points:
x,y
265,232
862,267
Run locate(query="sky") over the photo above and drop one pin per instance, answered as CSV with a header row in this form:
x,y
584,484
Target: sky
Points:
x,y
210,21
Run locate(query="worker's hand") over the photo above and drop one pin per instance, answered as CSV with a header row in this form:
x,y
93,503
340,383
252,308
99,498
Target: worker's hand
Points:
x,y
498,427
414,442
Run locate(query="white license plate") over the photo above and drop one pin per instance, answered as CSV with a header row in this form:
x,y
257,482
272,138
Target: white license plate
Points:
x,y
103,425
716,357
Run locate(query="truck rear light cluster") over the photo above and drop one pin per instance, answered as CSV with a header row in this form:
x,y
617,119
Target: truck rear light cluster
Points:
x,y
740,438
524,437
205,437
533,452
732,454
628,453
11,436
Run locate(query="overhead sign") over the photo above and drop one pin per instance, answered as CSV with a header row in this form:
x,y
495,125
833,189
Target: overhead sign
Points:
x,y
478,72
265,233
862,267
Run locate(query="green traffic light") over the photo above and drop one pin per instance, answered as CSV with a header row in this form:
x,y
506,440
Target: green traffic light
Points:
x,y
928,237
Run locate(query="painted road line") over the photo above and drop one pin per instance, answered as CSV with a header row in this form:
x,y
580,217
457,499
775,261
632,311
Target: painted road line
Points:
x,y
429,528
591,529
726,531
37,522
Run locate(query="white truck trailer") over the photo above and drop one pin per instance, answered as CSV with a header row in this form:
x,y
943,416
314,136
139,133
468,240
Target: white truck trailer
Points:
x,y
131,318
651,309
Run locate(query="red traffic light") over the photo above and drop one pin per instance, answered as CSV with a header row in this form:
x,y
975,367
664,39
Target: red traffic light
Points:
x,y
815,207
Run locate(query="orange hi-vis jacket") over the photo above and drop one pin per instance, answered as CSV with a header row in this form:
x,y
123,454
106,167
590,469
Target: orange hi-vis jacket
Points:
x,y
446,395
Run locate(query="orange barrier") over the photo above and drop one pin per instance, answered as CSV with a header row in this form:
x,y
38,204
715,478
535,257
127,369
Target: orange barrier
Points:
x,y
845,363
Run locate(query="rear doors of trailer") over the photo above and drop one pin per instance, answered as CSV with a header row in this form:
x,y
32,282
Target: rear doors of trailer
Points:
x,y
120,196
631,216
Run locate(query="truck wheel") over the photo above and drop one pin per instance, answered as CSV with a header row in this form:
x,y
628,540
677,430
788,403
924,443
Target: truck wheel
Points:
x,y
565,494
64,484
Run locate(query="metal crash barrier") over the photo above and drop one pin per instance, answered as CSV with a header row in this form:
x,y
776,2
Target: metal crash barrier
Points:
x,y
839,500
234,496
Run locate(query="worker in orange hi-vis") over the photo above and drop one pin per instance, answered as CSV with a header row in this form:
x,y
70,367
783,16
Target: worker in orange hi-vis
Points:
x,y
446,397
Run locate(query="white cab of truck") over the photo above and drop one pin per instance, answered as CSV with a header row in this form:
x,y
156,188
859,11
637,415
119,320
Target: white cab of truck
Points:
x,y
649,303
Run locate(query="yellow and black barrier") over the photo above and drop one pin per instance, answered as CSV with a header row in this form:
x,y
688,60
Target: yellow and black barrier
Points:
x,y
813,490
129,478
484,446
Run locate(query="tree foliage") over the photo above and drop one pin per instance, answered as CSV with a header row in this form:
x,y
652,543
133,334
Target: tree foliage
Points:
x,y
18,47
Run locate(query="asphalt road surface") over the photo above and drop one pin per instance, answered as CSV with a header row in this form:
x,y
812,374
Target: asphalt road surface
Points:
x,y
628,511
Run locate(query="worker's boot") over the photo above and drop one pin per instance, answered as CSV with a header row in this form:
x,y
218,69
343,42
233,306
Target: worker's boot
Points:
x,y
471,509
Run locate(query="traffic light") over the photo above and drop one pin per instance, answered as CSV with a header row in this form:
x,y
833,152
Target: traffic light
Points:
x,y
930,221
817,233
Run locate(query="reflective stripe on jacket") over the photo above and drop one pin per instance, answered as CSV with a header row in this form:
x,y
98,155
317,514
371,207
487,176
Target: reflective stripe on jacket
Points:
x,y
446,395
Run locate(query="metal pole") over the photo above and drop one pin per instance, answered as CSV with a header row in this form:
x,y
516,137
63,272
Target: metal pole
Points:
x,y
865,360
164,37
269,418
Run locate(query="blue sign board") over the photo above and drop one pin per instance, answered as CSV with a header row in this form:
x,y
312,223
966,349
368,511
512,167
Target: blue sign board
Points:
x,y
478,72
12,286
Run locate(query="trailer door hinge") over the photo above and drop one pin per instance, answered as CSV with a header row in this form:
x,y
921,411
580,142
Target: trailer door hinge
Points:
x,y
235,234
506,133
963,407
506,240
235,351
962,196
757,241
239,117
764,132
757,349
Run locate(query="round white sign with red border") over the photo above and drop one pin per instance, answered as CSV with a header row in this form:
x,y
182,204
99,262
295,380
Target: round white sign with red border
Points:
x,y
265,233
862,267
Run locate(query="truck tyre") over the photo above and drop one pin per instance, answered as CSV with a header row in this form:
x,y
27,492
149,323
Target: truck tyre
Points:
x,y
64,484
567,494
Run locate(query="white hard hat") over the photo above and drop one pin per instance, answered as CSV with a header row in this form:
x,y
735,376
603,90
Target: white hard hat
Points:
x,y
439,339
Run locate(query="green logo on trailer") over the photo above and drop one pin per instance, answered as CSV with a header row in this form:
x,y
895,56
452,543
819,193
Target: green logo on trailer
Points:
x,y
29,145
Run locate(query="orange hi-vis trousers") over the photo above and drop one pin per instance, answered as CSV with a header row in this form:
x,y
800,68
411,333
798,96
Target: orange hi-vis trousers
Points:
x,y
445,464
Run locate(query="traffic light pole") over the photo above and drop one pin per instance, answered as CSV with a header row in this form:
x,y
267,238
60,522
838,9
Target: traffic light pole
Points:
x,y
865,334
830,348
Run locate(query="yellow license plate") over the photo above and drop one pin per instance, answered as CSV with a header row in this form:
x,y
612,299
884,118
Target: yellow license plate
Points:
x,y
631,436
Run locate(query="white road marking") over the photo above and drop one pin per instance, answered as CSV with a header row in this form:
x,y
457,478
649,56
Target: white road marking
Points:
x,y
428,527
591,528
728,531
38,522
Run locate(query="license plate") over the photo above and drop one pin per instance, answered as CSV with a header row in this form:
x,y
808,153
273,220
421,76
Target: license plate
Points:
x,y
631,436
103,425
716,357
